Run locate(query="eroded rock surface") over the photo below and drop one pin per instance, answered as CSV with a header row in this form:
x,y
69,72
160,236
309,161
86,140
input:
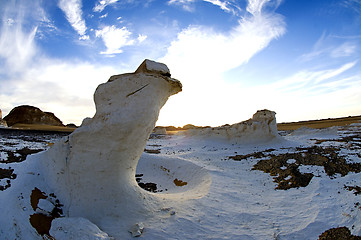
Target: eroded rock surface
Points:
x,y
92,170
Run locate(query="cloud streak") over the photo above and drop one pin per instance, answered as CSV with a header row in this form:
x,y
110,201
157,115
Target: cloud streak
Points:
x,y
188,5
198,46
208,61
200,56
17,45
29,77
73,13
116,38
99,7
317,94
344,50
307,79
329,46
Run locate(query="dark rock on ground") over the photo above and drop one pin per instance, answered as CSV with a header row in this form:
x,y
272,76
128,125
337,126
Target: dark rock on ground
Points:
x,y
16,145
152,151
284,167
356,189
6,173
340,233
150,187
31,115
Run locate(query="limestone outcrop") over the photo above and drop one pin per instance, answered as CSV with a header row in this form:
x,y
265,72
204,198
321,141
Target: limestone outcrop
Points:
x,y
2,121
261,127
92,170
160,130
31,115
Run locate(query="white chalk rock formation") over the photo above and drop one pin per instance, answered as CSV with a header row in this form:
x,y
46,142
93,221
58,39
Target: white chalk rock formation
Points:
x,y
261,127
160,130
92,171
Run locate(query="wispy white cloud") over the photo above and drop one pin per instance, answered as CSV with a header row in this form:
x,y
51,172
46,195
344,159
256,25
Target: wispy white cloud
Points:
x,y
180,1
200,56
17,45
325,46
255,6
141,38
29,77
17,48
198,47
354,5
335,72
104,16
187,5
309,79
73,12
344,50
227,6
99,7
102,4
222,5
117,38
304,95
22,23
315,94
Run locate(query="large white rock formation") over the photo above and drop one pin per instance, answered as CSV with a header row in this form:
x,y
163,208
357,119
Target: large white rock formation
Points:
x,y
93,170
262,127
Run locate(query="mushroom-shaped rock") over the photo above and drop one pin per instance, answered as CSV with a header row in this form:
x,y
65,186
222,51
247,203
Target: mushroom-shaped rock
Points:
x,y
92,170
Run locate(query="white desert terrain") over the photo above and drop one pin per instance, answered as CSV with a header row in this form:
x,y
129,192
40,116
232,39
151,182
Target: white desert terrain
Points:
x,y
113,179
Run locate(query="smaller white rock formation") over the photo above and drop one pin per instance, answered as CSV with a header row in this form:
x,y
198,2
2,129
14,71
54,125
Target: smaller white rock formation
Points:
x,y
76,228
160,130
2,121
261,127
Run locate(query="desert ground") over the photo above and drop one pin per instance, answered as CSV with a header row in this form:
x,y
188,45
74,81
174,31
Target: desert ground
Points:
x,y
323,123
305,185
41,127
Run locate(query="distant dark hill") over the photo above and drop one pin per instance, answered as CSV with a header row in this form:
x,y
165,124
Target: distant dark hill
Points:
x,y
31,115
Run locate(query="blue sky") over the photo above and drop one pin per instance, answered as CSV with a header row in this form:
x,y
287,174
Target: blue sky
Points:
x,y
300,59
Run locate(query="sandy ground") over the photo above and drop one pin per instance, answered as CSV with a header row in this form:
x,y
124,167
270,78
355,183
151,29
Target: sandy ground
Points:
x,y
323,123
40,127
306,186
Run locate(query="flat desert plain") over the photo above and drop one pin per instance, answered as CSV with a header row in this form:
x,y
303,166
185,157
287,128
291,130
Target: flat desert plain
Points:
x,y
322,123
